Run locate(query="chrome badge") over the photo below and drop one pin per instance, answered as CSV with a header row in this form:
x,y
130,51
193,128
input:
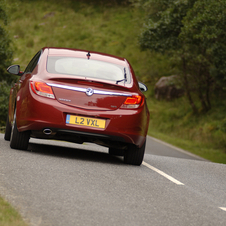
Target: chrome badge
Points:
x,y
89,92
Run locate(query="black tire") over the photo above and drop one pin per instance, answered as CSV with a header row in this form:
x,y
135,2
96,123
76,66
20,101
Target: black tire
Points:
x,y
19,140
115,151
8,129
134,155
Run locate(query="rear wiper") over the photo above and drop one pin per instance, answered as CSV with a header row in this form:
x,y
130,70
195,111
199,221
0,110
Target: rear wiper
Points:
x,y
125,77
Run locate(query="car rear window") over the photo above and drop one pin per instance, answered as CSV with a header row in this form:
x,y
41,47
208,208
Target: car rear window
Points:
x,y
87,68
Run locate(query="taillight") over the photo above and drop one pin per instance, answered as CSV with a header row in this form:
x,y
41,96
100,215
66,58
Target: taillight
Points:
x,y
42,89
133,102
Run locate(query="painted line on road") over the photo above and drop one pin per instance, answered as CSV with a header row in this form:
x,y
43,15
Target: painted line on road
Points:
x,y
162,173
223,208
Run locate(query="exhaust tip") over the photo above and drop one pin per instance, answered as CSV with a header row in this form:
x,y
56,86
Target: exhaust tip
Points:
x,y
47,131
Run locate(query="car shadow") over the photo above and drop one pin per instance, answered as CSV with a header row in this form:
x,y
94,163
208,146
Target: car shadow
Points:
x,y
74,153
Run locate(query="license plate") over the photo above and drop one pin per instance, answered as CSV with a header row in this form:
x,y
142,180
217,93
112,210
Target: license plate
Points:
x,y
84,121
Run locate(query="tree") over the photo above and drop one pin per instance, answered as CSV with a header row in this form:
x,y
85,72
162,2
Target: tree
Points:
x,y
5,50
203,37
193,32
5,61
161,33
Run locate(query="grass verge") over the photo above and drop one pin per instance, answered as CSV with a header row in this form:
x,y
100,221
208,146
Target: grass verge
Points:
x,y
203,135
9,216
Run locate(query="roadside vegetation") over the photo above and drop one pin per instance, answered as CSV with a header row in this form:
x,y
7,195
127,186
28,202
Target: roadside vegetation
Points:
x,y
117,27
144,32
8,215
192,35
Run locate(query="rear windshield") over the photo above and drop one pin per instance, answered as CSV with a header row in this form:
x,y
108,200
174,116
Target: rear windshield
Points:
x,y
88,68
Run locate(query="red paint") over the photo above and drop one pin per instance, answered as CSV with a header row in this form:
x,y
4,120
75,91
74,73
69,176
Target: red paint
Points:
x,y
35,111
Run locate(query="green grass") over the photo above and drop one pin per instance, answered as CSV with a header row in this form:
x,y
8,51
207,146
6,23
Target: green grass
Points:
x,y
106,26
9,216
113,28
203,134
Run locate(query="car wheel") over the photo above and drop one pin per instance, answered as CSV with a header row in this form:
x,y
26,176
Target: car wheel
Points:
x,y
115,151
7,129
19,140
134,155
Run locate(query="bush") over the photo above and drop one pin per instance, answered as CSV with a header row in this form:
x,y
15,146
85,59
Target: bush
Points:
x,y
5,42
4,100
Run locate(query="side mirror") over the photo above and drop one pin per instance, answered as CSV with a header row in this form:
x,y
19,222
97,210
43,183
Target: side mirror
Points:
x,y
15,70
142,87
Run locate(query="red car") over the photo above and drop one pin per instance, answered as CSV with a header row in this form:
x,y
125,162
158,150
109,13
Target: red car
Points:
x,y
79,96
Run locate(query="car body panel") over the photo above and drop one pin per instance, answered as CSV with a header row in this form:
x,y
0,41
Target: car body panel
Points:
x,y
102,99
36,113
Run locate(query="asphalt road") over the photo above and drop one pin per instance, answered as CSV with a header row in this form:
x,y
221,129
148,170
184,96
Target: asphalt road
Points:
x,y
64,184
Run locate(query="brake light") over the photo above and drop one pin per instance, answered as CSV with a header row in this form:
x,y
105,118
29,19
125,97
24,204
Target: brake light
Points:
x,y
42,89
133,102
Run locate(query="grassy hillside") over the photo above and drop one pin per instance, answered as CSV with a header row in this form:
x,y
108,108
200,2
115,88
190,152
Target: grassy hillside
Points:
x,y
203,135
107,26
103,26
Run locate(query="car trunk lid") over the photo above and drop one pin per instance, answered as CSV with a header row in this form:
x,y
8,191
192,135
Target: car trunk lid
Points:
x,y
90,95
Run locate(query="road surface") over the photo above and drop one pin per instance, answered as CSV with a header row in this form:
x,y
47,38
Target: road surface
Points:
x,y
59,183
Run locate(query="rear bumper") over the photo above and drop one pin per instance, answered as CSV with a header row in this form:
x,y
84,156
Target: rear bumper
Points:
x,y
122,125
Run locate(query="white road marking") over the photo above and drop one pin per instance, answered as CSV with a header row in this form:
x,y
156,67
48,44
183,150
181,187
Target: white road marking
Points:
x,y
223,208
162,173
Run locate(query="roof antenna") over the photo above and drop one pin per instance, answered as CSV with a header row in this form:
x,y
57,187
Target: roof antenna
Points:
x,y
88,55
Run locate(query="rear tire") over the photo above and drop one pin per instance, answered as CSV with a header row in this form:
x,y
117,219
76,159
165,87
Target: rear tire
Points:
x,y
8,129
134,155
19,140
